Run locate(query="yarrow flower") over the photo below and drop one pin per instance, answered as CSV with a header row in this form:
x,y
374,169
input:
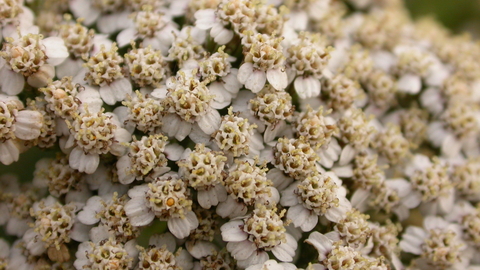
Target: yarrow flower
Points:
x,y
236,134
166,198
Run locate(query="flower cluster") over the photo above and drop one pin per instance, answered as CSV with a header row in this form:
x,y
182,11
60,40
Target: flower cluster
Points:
x,y
237,134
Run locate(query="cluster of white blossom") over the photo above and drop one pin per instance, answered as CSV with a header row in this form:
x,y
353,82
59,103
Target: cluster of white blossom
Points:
x,y
237,134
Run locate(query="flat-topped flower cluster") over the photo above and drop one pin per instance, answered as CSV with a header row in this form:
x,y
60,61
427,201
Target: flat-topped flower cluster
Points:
x,y
237,134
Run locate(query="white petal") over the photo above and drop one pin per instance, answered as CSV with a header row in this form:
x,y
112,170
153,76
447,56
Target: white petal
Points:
x,y
409,83
55,50
277,78
335,214
106,92
307,87
120,88
359,198
138,191
244,72
298,214
289,198
108,23
138,212
125,36
210,122
69,67
231,231
451,146
344,171
28,124
241,250
84,9
91,98
12,83
181,227
412,200
348,153
160,92
321,243
164,239
88,215
286,250
204,199
173,151
87,163
231,208
256,81
204,18
310,222
199,249
220,34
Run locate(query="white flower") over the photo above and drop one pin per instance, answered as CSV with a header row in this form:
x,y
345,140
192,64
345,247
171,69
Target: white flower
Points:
x,y
105,254
109,15
317,195
246,184
249,246
155,29
16,124
431,184
272,265
391,195
161,254
93,134
187,100
166,198
264,60
439,243
103,73
32,57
